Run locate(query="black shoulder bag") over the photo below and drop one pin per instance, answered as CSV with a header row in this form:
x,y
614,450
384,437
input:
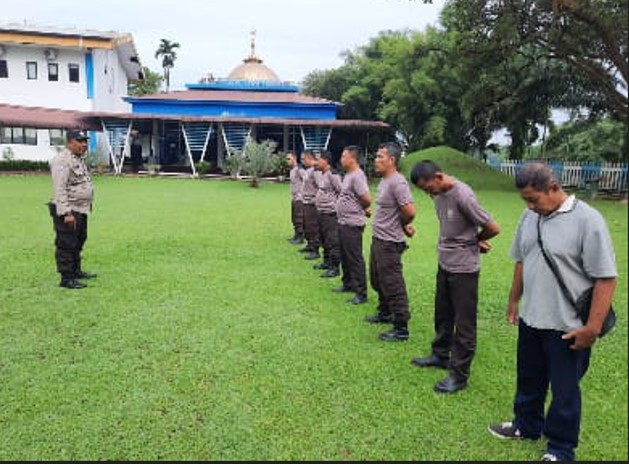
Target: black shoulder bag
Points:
x,y
584,302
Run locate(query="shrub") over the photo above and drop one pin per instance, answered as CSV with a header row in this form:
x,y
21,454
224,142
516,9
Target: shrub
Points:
x,y
203,167
24,165
259,159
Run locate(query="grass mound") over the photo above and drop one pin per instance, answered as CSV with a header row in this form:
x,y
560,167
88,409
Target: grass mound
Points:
x,y
475,173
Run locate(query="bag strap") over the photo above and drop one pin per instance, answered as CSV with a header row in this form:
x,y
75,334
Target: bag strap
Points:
x,y
552,264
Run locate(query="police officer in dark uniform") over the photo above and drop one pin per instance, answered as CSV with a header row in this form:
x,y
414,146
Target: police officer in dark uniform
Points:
x,y
72,202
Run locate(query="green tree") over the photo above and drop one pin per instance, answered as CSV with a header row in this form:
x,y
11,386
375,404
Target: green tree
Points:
x,y
150,83
167,51
587,37
585,140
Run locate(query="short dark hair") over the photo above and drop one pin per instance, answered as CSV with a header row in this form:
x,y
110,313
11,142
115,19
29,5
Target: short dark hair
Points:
x,y
393,149
424,170
307,153
353,150
537,175
327,155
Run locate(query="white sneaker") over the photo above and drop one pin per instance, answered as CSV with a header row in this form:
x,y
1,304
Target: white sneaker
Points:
x,y
549,457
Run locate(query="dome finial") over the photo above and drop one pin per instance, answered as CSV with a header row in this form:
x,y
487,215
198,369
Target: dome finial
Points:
x,y
252,55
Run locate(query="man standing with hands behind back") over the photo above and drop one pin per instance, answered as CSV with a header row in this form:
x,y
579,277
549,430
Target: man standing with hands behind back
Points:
x,y
353,207
391,225
464,228
72,202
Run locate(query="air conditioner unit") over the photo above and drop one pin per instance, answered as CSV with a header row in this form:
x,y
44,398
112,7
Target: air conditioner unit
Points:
x,y
50,54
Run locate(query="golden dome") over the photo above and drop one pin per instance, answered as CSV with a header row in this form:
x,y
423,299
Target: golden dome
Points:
x,y
252,68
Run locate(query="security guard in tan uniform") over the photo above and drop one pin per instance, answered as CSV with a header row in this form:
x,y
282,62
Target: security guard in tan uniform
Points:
x,y
73,196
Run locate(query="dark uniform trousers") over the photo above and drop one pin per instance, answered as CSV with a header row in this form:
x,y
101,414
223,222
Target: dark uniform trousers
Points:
x,y
69,241
387,279
544,359
311,227
297,217
456,300
352,261
329,230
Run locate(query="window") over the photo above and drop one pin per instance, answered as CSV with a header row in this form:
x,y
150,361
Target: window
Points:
x,y
5,135
4,69
31,70
53,72
57,137
73,72
30,136
18,135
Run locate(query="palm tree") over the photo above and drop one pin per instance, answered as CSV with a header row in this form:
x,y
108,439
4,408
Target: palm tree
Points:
x,y
166,51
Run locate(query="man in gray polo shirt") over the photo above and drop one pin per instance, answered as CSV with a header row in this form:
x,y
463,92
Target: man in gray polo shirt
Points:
x,y
553,344
464,228
391,225
352,209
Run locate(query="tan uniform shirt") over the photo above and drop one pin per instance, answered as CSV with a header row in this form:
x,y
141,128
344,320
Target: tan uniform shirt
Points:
x,y
73,190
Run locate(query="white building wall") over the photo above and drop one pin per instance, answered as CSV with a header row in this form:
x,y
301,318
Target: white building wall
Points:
x,y
43,151
62,94
109,80
110,83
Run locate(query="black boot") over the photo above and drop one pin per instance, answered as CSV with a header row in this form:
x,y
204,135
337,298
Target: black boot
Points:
x,y
330,273
297,240
379,318
71,283
85,275
321,266
399,333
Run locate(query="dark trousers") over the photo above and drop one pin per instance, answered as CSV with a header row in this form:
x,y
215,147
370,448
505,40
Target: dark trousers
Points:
x,y
352,261
297,217
545,359
387,279
456,300
329,233
311,227
69,241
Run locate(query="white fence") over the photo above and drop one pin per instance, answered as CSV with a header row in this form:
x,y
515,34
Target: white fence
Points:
x,y
609,176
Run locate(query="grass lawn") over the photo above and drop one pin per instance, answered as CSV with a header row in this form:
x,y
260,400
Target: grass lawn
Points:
x,y
206,336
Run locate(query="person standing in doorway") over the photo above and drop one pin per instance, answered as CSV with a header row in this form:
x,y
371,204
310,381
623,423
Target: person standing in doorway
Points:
x,y
325,202
297,174
353,208
72,202
395,210
464,230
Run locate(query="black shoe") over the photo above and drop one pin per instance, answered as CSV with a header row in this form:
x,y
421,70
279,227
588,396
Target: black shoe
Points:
x,y
397,334
85,275
330,273
450,385
298,240
72,284
379,319
321,266
507,431
431,361
312,255
358,300
305,250
342,289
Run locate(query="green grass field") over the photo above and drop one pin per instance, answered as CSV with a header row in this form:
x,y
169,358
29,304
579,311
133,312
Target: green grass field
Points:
x,y
207,337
